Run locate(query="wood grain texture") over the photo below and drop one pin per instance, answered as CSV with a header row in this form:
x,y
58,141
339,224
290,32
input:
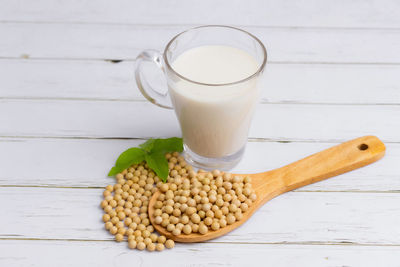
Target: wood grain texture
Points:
x,y
308,83
93,41
85,163
311,13
336,52
295,217
35,253
44,163
65,118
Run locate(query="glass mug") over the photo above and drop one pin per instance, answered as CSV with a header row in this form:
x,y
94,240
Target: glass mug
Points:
x,y
214,118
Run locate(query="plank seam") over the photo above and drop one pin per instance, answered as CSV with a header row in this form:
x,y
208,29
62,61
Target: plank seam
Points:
x,y
111,138
311,243
262,101
50,186
119,60
189,25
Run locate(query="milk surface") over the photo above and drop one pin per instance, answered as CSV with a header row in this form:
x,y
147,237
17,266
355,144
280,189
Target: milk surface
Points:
x,y
215,64
214,118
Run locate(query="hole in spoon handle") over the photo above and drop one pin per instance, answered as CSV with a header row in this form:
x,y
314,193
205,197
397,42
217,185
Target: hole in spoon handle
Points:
x,y
363,146
333,161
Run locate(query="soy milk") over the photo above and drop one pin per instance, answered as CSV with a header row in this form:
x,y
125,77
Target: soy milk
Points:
x,y
215,118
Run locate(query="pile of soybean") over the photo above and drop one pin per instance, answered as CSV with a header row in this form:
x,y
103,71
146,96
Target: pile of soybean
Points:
x,y
190,202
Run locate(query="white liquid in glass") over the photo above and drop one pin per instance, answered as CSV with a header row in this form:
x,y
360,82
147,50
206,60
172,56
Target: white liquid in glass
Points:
x,y
215,119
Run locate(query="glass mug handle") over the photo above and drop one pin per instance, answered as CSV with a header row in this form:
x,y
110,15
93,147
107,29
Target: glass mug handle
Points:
x,y
154,96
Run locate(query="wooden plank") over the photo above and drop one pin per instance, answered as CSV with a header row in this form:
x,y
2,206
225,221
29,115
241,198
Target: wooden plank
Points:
x,y
29,252
308,83
312,13
143,120
296,217
85,163
93,41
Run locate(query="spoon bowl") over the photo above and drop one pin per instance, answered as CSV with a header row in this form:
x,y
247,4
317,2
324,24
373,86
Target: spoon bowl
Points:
x,y
267,185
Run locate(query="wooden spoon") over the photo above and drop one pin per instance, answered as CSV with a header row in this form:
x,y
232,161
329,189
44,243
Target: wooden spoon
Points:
x,y
330,162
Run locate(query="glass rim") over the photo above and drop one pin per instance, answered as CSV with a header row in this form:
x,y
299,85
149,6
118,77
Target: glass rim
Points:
x,y
257,72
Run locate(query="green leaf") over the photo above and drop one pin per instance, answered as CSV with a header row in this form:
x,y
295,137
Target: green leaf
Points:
x,y
168,145
130,156
159,164
114,171
153,152
148,145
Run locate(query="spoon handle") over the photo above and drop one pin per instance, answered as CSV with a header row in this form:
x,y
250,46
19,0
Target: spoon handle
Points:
x,y
333,161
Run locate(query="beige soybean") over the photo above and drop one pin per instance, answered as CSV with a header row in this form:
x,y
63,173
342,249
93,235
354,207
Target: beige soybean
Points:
x,y
141,246
160,247
169,243
190,202
215,199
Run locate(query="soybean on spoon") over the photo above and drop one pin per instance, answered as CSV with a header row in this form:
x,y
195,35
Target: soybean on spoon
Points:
x,y
267,185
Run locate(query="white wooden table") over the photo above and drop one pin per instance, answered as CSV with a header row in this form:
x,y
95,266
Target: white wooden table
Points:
x,y
69,106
